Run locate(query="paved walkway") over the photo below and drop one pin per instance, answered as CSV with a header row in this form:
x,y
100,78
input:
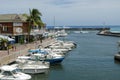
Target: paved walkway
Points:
x,y
10,56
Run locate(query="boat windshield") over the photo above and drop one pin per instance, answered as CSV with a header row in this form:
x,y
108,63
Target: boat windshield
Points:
x,y
7,73
15,71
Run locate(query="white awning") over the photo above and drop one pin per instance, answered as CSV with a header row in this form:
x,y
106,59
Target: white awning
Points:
x,y
6,37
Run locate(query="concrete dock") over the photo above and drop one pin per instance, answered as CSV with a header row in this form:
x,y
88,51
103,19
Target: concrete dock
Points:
x,y
7,57
108,33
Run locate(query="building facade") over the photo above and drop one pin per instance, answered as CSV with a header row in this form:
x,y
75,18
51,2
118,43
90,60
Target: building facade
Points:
x,y
16,26
13,25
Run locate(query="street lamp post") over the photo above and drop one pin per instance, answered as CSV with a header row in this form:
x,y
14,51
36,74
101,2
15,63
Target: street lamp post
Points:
x,y
8,48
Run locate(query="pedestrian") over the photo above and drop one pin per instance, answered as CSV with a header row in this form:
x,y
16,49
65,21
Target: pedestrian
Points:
x,y
25,41
15,48
41,40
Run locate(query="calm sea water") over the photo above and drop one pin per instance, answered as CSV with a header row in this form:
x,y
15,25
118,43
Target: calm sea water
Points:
x,y
92,59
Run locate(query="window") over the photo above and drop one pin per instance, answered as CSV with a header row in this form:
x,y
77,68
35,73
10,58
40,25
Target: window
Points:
x,y
5,28
17,24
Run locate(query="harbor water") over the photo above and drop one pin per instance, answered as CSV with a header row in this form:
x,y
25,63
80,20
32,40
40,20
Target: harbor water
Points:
x,y
92,59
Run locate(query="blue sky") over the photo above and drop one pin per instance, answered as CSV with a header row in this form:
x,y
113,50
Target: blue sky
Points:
x,y
68,12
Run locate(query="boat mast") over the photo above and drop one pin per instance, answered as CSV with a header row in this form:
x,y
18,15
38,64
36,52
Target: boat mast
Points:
x,y
104,24
54,22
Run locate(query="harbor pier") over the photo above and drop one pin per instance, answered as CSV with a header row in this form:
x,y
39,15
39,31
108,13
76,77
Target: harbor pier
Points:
x,y
10,56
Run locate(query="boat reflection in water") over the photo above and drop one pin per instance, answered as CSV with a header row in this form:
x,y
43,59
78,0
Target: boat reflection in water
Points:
x,y
57,67
46,76
39,77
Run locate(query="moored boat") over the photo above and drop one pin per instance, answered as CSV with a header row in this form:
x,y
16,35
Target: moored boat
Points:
x,y
28,64
48,56
12,73
34,67
117,56
52,58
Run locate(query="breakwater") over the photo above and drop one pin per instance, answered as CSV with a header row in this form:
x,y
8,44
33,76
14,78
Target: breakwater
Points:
x,y
79,29
108,33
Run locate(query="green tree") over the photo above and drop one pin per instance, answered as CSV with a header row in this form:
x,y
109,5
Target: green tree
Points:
x,y
4,43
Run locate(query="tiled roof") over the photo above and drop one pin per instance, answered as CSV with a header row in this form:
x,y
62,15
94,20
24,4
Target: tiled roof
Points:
x,y
12,18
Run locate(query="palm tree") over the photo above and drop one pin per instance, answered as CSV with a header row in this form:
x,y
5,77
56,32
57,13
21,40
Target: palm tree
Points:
x,y
34,19
4,43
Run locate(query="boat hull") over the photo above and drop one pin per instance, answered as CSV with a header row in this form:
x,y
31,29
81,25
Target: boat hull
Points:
x,y
56,60
117,57
35,71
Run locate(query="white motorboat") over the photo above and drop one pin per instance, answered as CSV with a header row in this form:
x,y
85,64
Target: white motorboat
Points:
x,y
49,50
81,31
51,57
77,31
59,48
48,56
61,33
12,73
64,44
32,66
67,43
43,55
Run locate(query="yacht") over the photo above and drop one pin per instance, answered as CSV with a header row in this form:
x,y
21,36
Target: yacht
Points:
x,y
53,58
12,73
61,33
48,56
32,66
